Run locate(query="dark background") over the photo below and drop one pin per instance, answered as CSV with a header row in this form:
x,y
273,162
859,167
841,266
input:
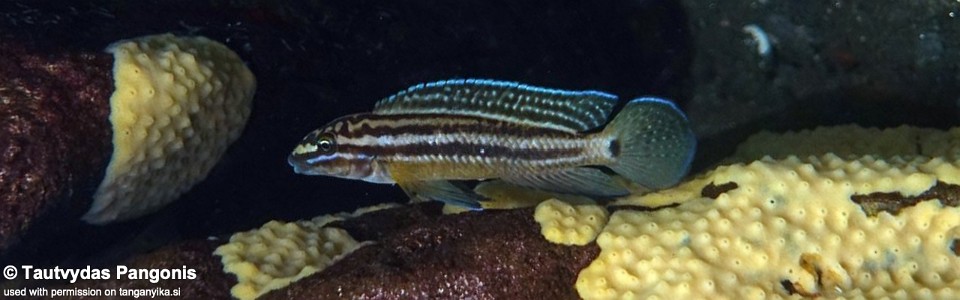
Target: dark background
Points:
x,y
318,60
833,62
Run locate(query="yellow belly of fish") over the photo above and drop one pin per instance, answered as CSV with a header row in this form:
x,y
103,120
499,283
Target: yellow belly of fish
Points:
x,y
450,170
438,167
418,171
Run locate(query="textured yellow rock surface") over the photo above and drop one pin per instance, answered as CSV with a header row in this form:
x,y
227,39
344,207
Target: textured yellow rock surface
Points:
x,y
778,228
179,102
279,253
567,224
850,140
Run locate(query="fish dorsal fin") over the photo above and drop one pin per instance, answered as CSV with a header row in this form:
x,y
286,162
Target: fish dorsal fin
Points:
x,y
572,111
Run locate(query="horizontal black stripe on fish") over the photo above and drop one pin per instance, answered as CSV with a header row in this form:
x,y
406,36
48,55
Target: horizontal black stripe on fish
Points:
x,y
437,126
448,150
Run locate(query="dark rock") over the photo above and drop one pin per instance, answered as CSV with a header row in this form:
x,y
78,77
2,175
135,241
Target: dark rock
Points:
x,y
318,60
832,62
416,252
713,190
54,133
375,225
210,283
874,203
475,255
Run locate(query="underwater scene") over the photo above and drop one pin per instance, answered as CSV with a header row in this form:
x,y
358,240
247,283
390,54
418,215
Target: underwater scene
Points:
x,y
366,149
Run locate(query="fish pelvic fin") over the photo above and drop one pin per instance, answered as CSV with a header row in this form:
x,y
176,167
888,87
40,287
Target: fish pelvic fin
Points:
x,y
443,191
652,143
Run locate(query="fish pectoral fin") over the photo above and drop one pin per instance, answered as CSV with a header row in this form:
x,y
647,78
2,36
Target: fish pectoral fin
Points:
x,y
580,181
443,191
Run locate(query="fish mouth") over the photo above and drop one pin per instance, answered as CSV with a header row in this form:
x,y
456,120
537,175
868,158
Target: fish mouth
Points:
x,y
298,166
304,167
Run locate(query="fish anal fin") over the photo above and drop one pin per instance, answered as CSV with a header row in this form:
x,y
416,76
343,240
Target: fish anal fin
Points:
x,y
579,181
441,190
571,111
505,195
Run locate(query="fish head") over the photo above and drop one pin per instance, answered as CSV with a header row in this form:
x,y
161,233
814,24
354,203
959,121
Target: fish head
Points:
x,y
321,152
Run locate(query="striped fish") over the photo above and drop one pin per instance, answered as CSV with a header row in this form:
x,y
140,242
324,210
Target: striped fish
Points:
x,y
555,140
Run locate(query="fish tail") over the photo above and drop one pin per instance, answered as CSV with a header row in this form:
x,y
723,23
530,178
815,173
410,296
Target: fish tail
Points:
x,y
652,143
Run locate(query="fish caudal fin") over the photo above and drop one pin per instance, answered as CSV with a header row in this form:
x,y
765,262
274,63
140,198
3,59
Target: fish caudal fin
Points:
x,y
653,143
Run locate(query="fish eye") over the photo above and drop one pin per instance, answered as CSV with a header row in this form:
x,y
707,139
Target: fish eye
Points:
x,y
325,144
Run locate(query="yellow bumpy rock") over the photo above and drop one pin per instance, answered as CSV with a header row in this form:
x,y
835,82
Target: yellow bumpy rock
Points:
x,y
788,228
179,102
851,140
562,223
279,253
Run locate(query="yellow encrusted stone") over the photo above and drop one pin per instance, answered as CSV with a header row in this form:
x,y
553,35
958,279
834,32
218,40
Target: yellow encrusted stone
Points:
x,y
788,228
179,102
562,223
323,220
851,140
899,145
279,253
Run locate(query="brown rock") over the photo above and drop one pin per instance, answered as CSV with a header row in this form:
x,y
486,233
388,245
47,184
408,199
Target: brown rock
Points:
x,y
477,255
417,253
54,131
210,283
829,63
874,203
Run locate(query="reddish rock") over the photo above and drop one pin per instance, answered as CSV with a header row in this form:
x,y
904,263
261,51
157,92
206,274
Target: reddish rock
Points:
x,y
416,253
210,283
54,131
478,255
